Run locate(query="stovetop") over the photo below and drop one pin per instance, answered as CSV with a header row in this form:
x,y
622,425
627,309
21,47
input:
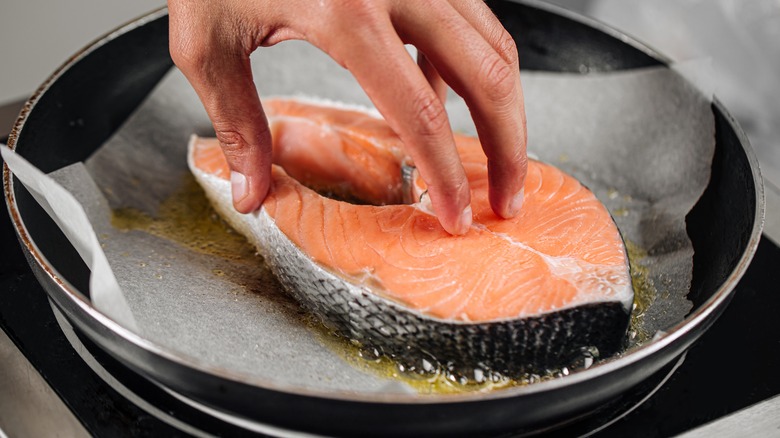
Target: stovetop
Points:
x,y
734,365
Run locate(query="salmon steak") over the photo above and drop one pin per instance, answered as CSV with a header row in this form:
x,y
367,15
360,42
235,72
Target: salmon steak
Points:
x,y
511,295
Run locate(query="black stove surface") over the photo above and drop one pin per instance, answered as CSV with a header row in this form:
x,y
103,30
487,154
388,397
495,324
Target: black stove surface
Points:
x,y
731,367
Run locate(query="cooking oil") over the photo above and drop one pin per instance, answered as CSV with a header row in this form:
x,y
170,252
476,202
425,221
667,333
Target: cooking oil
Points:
x,y
187,218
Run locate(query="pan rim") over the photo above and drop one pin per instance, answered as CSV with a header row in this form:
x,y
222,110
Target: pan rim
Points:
x,y
696,318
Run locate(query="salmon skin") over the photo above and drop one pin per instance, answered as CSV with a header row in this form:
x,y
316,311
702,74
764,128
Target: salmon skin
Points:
x,y
512,296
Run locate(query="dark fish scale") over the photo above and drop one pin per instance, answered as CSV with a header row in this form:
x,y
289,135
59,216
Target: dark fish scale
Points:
x,y
567,330
532,344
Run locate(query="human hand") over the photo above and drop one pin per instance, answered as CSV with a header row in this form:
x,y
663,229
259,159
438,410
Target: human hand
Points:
x,y
461,44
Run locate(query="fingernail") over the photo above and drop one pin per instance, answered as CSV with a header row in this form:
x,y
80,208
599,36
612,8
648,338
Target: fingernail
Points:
x,y
239,186
465,220
517,203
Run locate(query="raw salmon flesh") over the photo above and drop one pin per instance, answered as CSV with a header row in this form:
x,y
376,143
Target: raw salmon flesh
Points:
x,y
514,295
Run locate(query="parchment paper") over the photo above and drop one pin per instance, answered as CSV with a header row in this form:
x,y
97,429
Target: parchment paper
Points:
x,y
641,140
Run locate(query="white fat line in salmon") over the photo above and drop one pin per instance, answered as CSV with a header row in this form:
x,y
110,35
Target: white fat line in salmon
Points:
x,y
603,278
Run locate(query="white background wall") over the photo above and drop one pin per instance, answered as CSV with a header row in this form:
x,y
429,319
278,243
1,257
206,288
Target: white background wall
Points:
x,y
36,36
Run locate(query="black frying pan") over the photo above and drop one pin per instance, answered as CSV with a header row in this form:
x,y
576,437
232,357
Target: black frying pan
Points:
x,y
103,84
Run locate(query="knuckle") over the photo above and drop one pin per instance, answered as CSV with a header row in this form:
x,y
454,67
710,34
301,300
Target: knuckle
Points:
x,y
237,143
429,113
195,51
186,45
187,51
349,12
497,79
363,8
233,143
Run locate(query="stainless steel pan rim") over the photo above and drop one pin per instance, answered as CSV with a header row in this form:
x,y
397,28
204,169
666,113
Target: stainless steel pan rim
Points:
x,y
699,316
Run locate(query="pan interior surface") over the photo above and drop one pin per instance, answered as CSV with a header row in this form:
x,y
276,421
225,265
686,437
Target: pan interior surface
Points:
x,y
90,98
